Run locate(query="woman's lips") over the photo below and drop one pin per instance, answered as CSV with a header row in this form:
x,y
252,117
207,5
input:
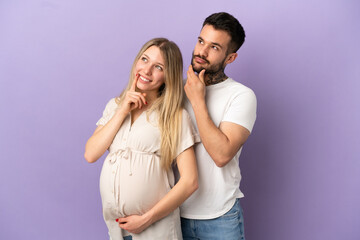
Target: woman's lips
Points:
x,y
144,79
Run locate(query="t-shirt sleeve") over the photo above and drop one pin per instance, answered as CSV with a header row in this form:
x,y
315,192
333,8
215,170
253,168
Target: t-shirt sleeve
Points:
x,y
108,112
189,136
242,110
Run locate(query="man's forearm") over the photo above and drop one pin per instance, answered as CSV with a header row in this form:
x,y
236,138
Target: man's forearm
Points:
x,y
214,140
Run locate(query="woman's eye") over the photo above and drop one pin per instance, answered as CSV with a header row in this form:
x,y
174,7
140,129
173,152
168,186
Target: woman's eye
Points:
x,y
159,67
144,59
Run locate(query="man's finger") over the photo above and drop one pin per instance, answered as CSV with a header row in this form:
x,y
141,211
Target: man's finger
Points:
x,y
190,71
201,76
190,75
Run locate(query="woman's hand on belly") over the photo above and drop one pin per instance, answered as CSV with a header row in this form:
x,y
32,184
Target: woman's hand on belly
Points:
x,y
135,223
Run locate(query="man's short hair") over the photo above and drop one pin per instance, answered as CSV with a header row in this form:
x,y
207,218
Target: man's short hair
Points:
x,y
228,23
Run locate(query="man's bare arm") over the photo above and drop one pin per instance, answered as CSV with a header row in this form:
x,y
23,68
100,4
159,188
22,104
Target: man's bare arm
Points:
x,y
223,142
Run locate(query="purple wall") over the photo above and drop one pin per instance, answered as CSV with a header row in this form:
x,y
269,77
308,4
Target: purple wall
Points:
x,y
61,60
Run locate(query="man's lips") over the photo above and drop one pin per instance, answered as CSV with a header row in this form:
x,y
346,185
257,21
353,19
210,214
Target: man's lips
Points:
x,y
200,60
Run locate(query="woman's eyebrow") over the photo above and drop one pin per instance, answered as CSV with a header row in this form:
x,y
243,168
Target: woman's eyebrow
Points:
x,y
150,58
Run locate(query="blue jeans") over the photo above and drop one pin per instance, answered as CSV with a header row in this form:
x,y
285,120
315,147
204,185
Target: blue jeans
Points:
x,y
229,226
128,238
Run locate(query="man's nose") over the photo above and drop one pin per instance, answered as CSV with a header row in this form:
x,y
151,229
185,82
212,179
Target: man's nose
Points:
x,y
204,51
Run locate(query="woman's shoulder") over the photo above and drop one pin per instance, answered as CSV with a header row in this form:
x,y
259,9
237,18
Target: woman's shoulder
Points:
x,y
112,104
186,119
184,112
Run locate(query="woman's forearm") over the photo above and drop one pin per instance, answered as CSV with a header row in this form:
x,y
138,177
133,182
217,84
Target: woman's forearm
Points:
x,y
102,138
172,200
186,185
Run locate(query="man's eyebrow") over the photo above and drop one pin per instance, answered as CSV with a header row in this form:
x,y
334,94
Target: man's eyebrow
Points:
x,y
149,58
217,44
213,43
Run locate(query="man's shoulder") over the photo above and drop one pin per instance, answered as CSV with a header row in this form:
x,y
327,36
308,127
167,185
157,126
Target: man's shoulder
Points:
x,y
231,89
231,83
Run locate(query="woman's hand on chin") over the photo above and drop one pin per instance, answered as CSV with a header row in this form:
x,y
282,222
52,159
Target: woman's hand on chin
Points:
x,y
133,99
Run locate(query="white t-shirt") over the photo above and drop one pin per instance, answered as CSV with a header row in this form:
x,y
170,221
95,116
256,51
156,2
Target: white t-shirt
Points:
x,y
228,101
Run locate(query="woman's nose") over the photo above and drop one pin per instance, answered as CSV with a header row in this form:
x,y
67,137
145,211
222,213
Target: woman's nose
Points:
x,y
147,69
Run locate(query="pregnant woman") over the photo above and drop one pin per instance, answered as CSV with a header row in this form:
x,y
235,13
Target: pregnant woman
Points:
x,y
147,133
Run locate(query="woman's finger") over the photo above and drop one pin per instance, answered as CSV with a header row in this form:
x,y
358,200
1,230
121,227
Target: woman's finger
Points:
x,y
121,220
133,86
140,96
140,104
133,101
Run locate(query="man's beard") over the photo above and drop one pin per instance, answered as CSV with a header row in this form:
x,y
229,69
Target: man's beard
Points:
x,y
211,70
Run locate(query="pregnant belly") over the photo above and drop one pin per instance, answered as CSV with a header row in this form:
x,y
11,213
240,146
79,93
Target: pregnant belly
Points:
x,y
141,186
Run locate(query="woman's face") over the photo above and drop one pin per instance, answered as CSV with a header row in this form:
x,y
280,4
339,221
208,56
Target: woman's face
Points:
x,y
151,68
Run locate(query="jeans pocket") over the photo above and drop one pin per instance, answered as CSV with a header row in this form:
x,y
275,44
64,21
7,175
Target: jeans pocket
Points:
x,y
233,213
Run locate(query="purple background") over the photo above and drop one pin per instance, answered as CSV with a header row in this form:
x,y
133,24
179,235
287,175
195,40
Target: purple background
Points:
x,y
62,60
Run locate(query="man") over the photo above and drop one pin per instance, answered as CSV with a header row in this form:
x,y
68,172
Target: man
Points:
x,y
224,112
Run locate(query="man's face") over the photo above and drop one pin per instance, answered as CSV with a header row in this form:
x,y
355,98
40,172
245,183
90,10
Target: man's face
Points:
x,y
210,51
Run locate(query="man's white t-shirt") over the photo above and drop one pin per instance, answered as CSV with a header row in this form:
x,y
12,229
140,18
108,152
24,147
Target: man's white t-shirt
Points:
x,y
228,101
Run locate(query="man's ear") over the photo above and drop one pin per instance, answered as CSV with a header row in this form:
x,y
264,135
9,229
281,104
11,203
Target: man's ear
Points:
x,y
231,57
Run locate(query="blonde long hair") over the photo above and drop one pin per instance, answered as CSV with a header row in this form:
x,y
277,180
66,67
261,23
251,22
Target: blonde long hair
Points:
x,y
170,96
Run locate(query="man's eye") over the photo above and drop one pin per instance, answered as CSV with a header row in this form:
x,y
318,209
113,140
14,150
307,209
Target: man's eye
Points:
x,y
215,47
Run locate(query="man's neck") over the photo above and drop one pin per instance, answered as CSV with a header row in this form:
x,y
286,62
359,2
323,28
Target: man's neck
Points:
x,y
214,78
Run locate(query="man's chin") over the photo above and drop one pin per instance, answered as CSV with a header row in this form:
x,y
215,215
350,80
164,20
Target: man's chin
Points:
x,y
197,69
